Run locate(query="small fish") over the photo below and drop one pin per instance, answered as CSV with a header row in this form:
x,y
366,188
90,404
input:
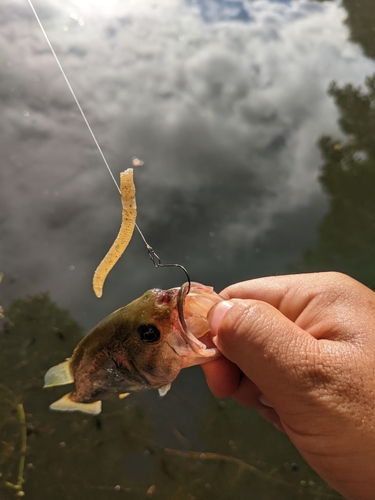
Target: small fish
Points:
x,y
142,345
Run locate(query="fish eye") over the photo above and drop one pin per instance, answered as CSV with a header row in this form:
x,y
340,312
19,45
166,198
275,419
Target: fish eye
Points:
x,y
148,333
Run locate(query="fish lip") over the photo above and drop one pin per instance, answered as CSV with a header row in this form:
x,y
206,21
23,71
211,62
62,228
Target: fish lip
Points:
x,y
196,345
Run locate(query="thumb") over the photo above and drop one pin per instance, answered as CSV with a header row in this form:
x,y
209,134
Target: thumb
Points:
x,y
273,352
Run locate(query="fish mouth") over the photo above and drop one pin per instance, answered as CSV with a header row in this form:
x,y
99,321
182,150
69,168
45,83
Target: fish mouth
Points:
x,y
203,348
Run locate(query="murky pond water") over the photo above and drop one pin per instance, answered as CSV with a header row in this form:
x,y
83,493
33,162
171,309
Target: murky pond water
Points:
x,y
255,123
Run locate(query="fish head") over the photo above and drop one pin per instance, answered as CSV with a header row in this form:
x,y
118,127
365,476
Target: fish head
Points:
x,y
161,343
140,346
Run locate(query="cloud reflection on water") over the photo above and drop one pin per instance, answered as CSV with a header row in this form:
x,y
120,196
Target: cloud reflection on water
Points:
x,y
226,116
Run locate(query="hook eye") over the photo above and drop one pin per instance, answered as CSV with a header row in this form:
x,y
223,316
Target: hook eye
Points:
x,y
155,259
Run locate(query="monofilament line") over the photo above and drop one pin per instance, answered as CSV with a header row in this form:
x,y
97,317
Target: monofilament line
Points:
x,y
73,94
80,108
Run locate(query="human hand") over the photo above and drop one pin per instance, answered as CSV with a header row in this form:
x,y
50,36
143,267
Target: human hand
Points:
x,y
301,350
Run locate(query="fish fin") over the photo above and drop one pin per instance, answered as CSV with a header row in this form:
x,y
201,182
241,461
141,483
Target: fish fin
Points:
x,y
66,404
164,389
59,375
123,395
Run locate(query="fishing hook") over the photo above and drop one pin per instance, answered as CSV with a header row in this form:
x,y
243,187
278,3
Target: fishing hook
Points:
x,y
155,259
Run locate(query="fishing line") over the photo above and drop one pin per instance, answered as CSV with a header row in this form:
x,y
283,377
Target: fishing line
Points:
x,y
155,259
73,94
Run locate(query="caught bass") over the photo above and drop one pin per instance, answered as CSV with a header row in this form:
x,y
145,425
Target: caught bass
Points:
x,y
142,345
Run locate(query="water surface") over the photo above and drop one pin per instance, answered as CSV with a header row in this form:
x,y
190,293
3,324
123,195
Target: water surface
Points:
x,y
255,123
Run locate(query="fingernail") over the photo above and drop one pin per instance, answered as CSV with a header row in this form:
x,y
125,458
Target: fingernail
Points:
x,y
264,401
217,314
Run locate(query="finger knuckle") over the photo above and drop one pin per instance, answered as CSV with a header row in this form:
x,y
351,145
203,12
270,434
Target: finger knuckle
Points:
x,y
253,317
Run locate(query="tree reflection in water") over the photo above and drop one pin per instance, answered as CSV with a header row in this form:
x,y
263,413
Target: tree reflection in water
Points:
x,y
347,233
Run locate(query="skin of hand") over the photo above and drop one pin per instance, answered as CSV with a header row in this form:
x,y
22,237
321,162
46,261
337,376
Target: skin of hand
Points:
x,y
301,350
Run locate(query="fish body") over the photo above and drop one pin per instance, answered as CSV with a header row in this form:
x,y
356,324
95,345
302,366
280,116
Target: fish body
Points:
x,y
143,345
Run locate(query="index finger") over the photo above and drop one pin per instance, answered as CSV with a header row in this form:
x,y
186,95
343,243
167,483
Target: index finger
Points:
x,y
291,294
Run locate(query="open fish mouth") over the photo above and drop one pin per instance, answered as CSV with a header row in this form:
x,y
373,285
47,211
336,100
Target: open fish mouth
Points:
x,y
194,301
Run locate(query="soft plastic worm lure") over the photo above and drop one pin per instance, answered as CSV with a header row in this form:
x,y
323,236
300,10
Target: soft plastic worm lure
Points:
x,y
129,214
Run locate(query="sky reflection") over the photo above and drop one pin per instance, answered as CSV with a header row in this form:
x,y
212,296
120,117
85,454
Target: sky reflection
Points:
x,y
226,103
225,114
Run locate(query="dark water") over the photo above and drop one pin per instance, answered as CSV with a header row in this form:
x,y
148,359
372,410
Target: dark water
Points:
x,y
255,122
